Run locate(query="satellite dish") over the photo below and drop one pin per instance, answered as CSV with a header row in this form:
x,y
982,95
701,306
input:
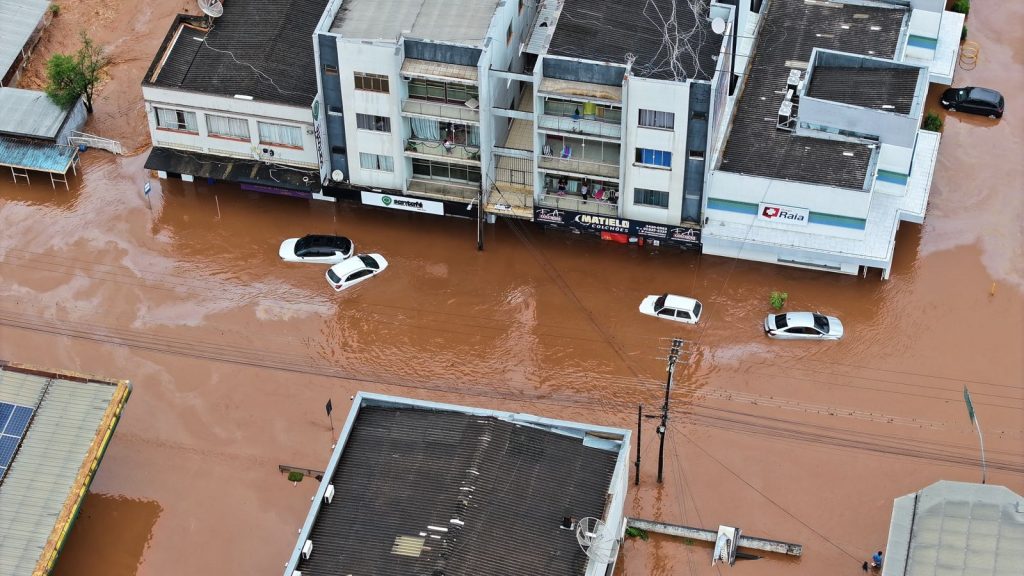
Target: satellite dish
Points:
x,y
717,25
337,175
597,542
212,8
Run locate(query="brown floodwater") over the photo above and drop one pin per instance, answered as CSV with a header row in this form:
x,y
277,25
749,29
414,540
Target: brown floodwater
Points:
x,y
233,353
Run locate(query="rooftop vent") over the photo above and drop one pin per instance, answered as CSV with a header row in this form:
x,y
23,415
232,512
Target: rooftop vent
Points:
x,y
307,549
329,494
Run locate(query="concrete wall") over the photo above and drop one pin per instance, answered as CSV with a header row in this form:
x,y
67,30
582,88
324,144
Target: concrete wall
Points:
x,y
823,199
890,128
251,110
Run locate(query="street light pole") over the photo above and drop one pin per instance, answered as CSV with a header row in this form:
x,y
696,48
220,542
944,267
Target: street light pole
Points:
x,y
480,217
977,426
663,428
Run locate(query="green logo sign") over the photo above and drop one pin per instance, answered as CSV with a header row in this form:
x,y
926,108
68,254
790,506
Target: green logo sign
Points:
x,y
316,110
385,200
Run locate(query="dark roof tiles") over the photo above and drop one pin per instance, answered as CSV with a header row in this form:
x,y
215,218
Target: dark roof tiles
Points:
x,y
882,89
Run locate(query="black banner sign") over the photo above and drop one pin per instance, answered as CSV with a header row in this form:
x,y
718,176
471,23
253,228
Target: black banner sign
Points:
x,y
679,235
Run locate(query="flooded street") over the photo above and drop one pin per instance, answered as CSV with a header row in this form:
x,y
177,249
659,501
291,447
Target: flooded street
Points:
x,y
233,353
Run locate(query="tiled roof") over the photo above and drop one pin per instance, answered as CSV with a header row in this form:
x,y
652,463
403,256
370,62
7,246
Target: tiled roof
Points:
x,y
790,31
882,89
258,48
614,30
428,492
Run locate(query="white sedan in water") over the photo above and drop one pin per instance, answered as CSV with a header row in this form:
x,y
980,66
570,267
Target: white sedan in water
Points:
x,y
355,270
672,307
317,249
803,326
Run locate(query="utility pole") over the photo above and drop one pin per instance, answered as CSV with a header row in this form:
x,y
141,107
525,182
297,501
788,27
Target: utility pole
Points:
x,y
673,356
480,217
639,428
977,426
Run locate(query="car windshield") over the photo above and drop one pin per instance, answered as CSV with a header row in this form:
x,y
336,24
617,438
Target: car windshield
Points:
x,y
369,262
985,95
696,309
327,243
334,277
821,323
780,321
660,302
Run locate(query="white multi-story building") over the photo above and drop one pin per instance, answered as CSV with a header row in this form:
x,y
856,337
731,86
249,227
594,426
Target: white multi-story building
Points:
x,y
590,114
230,98
823,157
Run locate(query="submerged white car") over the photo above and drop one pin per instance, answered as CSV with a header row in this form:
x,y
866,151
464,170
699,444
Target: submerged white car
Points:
x,y
317,249
672,307
803,326
355,270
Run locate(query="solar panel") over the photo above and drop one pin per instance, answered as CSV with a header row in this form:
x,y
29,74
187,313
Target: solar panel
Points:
x,y
14,421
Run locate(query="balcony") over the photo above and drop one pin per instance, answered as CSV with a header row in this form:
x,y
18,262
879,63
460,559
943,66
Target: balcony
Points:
x,y
459,192
579,166
577,204
590,127
580,156
444,110
434,148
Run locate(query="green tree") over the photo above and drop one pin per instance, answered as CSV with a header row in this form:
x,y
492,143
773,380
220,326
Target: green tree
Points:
x,y
71,76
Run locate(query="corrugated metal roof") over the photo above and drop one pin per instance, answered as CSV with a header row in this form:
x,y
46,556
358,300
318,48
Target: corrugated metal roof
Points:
x,y
18,20
956,529
890,89
44,483
40,156
458,21
30,113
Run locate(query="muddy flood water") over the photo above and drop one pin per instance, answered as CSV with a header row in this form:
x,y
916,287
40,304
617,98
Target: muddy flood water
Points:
x,y
233,353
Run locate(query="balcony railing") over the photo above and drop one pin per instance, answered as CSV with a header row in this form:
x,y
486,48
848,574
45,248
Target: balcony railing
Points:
x,y
441,110
577,204
443,190
435,148
581,126
579,166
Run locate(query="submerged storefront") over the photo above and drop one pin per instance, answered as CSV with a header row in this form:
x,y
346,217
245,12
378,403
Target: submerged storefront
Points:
x,y
619,229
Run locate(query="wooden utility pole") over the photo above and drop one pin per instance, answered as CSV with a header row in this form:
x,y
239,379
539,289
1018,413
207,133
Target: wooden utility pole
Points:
x,y
673,356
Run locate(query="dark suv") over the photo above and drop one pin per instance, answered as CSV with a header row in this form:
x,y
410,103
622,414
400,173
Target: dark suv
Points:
x,y
973,100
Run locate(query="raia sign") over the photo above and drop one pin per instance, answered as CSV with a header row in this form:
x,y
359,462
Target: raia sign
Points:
x,y
782,214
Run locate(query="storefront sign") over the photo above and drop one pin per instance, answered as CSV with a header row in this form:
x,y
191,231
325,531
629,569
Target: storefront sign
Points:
x,y
782,214
680,235
318,136
402,203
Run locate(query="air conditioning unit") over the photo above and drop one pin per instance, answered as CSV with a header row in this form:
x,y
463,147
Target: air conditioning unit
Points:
x,y
307,549
794,80
329,493
785,115
472,103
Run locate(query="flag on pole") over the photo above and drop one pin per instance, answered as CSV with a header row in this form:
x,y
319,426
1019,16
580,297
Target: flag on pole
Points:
x,y
970,405
329,407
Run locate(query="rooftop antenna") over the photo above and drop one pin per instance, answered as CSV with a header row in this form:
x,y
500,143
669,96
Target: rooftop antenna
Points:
x,y
718,26
597,542
212,8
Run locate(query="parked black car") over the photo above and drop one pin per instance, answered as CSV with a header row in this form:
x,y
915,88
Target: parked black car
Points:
x,y
974,100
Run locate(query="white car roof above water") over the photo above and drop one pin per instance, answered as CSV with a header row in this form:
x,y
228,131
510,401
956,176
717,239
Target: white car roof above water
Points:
x,y
803,319
679,302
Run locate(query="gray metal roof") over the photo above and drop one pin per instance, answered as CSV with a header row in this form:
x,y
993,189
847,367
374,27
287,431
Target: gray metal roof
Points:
x,y
457,21
30,113
790,31
18,20
879,88
45,482
956,529
427,488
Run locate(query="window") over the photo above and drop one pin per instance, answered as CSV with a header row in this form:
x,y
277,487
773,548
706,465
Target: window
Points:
x,y
654,157
177,120
441,92
655,119
696,154
445,171
374,123
331,69
226,127
372,82
376,162
280,134
647,197
698,115
508,34
333,109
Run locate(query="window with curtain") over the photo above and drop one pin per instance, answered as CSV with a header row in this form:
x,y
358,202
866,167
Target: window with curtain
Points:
x,y
227,127
374,123
280,134
376,162
646,197
425,129
654,157
177,120
655,119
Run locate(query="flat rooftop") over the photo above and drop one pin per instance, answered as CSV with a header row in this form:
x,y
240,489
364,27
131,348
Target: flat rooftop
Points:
x,y
890,89
434,489
458,21
613,30
54,429
956,529
30,114
18,21
790,31
258,48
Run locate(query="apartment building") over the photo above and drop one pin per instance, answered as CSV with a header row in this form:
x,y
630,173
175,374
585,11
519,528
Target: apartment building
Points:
x,y
232,98
585,114
824,158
